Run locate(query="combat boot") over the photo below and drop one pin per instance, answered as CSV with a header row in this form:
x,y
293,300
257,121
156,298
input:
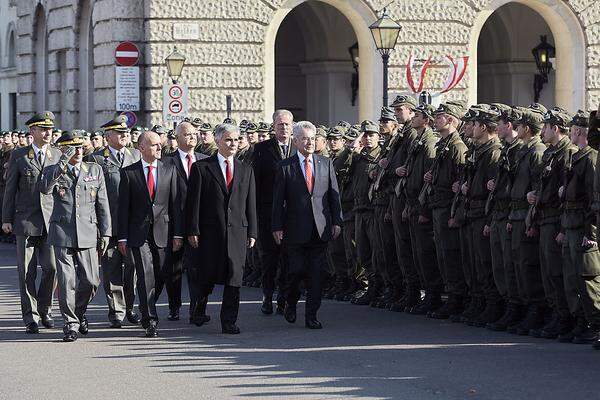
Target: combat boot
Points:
x,y
476,306
452,307
587,335
533,320
493,312
563,325
551,323
512,316
430,302
366,297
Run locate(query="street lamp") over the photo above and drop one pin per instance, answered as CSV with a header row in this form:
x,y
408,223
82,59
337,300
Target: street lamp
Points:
x,y
175,62
385,32
543,53
353,50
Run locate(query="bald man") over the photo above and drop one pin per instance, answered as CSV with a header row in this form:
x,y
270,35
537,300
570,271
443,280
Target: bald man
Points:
x,y
150,221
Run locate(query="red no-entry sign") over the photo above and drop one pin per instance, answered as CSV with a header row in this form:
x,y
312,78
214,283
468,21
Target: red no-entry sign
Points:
x,y
127,54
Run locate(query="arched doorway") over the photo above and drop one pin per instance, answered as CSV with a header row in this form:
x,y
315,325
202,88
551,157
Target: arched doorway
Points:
x,y
506,67
313,68
353,18
40,40
563,27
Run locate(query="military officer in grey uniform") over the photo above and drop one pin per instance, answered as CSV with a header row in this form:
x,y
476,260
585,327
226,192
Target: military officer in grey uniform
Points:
x,y
79,229
25,215
118,272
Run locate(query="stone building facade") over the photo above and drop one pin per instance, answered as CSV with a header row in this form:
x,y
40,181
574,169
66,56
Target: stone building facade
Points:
x,y
8,65
294,53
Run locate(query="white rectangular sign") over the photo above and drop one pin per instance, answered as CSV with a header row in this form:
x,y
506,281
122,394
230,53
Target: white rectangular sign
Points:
x,y
127,88
186,31
175,103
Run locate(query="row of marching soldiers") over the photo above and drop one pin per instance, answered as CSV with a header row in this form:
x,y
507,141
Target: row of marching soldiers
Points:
x,y
484,216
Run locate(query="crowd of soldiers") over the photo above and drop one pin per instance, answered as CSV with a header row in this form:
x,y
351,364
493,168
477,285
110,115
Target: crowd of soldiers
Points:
x,y
484,215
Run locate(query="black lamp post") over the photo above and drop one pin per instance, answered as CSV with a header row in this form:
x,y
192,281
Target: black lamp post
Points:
x,y
353,50
175,62
542,53
385,32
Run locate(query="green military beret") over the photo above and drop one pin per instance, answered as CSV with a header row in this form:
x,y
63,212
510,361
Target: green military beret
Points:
x,y
137,130
512,115
344,124
580,119
43,120
501,107
263,127
171,134
118,123
351,134
230,121
388,114
538,108
205,127
321,133
70,138
532,119
451,109
96,134
196,122
469,116
558,116
487,116
336,132
426,109
369,126
161,130
251,127
404,100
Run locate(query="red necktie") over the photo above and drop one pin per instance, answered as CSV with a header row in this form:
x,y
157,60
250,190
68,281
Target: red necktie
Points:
x,y
189,162
309,175
150,182
228,174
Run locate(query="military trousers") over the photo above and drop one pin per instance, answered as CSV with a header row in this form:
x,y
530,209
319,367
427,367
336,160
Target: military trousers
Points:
x,y
348,232
552,269
118,279
527,259
336,257
404,248
31,252
171,276
483,261
505,273
467,256
365,242
273,256
581,273
424,255
386,257
78,281
447,247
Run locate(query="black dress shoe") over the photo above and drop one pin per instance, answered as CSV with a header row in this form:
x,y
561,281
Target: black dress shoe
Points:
x,y
230,329
280,309
47,321
32,328
289,313
116,324
267,305
70,336
132,317
199,321
312,323
151,331
83,326
173,314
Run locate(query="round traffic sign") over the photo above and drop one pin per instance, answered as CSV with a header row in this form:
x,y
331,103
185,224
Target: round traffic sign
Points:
x,y
127,54
175,107
175,92
131,118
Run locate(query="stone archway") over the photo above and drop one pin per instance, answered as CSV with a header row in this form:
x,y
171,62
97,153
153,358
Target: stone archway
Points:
x,y
360,16
569,40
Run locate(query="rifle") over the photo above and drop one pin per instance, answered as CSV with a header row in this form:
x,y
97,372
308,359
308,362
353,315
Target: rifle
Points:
x,y
381,171
464,172
503,167
426,189
533,212
415,146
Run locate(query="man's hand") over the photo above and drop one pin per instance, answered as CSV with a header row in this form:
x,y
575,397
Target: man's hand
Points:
x,y
508,227
7,228
103,245
122,246
452,223
587,243
423,219
531,197
531,232
486,231
491,185
383,163
428,177
193,241
561,191
560,238
387,217
251,242
278,236
405,214
335,231
464,189
456,187
401,171
177,244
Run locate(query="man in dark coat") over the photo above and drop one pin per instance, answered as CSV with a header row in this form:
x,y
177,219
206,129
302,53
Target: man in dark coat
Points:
x,y
307,214
221,223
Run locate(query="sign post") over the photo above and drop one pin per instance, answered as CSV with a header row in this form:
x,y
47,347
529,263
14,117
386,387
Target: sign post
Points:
x,y
175,103
127,77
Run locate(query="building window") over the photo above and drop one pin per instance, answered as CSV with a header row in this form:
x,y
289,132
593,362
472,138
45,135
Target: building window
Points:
x,y
11,52
12,110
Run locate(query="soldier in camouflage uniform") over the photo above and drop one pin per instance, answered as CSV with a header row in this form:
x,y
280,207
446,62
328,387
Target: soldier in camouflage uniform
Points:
x,y
321,142
206,140
498,205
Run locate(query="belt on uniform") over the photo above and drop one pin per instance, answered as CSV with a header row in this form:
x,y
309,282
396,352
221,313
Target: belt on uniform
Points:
x,y
549,212
476,204
574,205
519,204
501,204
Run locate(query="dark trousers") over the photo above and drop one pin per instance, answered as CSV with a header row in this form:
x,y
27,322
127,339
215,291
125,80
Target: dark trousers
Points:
x,y
229,307
272,256
118,278
307,262
170,278
149,260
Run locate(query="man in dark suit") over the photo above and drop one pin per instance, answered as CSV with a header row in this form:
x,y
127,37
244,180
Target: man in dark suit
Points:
x,y
221,223
117,271
183,159
306,215
149,216
267,155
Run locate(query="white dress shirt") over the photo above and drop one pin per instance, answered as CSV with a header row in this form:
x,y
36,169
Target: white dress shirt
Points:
x,y
36,150
154,172
302,166
184,161
224,167
116,152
